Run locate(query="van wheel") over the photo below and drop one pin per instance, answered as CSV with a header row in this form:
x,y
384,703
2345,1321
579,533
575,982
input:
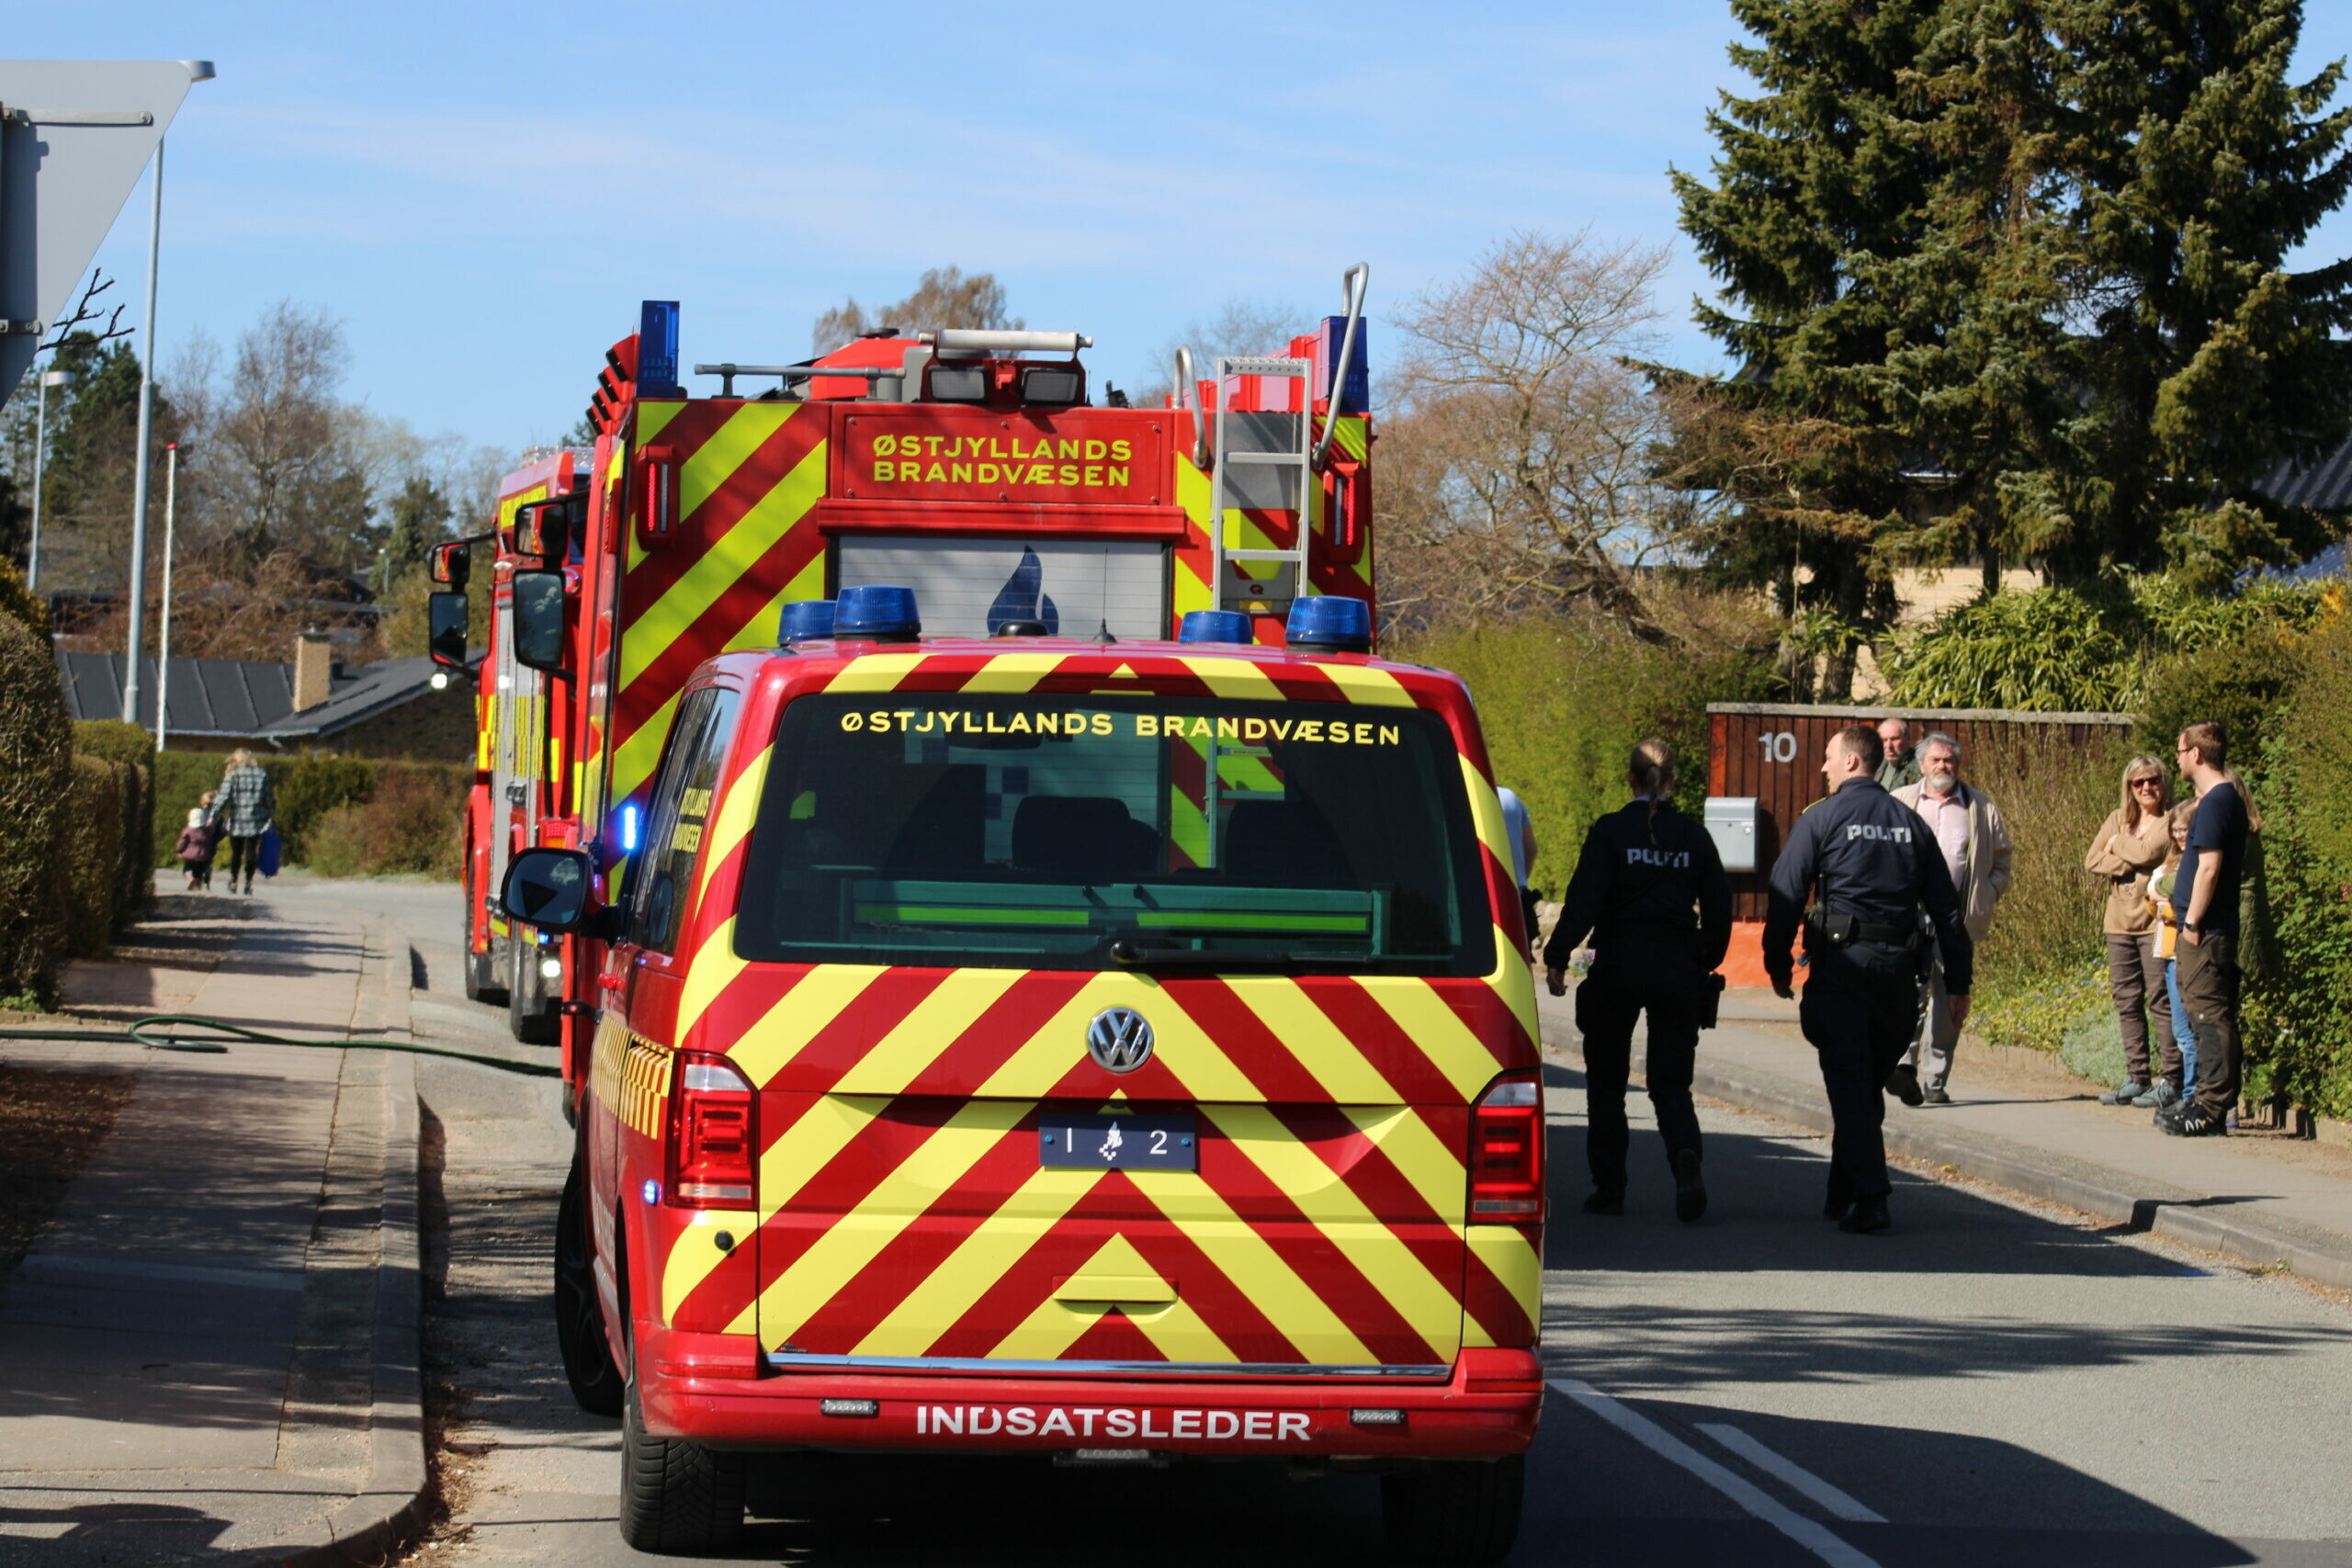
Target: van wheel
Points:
x,y
528,1018
579,1318
676,1497
1462,1511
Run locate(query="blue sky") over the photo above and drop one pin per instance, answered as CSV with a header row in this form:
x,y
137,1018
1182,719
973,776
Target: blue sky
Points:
x,y
481,193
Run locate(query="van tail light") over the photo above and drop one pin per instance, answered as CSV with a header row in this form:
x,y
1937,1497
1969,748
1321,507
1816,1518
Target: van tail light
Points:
x,y
713,1150
1507,1151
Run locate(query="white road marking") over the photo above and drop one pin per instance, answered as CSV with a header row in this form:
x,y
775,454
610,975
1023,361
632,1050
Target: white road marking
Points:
x,y
1811,1534
1794,1476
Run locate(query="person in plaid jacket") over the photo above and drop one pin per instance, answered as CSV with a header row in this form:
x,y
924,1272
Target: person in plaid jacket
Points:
x,y
245,804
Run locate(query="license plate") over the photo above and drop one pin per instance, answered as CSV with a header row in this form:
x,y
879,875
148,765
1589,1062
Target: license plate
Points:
x,y
1118,1143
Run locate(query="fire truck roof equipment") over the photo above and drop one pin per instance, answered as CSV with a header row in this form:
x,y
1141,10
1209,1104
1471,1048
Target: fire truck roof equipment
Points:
x,y
805,620
1328,623
1213,625
877,611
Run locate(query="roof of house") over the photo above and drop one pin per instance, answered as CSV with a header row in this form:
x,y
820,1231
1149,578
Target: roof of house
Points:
x,y
245,698
2323,486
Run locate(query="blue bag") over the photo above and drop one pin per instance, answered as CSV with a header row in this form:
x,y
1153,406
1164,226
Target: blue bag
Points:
x,y
272,849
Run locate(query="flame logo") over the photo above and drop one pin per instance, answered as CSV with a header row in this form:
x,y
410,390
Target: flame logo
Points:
x,y
1023,597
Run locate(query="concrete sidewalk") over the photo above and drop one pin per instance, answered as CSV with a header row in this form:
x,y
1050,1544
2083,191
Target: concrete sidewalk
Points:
x,y
2042,1133
211,1355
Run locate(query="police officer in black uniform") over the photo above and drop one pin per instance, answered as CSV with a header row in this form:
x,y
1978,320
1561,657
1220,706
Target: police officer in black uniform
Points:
x,y
1644,872
1870,866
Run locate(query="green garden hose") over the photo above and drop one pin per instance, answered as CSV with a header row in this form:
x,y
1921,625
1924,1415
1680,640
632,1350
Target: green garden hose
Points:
x,y
140,1033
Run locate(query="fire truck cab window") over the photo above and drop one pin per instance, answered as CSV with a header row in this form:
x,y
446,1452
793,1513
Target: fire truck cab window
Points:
x,y
682,792
1037,832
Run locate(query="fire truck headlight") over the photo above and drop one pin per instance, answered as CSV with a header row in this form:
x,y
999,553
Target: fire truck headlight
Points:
x,y
440,679
959,383
551,968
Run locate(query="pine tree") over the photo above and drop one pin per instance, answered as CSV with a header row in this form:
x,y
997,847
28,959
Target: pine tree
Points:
x,y
2202,166
1816,174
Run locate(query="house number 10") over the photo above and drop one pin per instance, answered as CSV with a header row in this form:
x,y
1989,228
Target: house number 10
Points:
x,y
1779,746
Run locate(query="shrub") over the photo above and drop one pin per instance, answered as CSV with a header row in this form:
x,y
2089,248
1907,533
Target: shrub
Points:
x,y
92,862
2054,796
412,822
21,604
1562,701
2241,682
35,767
337,841
307,788
2038,1010
135,750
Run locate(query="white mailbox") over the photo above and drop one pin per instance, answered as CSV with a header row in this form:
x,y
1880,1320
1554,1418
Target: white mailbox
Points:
x,y
1731,822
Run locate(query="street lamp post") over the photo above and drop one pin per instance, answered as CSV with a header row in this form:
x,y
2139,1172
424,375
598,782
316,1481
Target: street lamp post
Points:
x,y
164,646
40,453
198,70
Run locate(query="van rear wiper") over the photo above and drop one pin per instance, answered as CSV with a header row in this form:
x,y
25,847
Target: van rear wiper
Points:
x,y
1136,955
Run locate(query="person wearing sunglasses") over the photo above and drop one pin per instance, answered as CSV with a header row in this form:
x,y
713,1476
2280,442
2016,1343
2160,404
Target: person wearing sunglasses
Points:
x,y
2130,845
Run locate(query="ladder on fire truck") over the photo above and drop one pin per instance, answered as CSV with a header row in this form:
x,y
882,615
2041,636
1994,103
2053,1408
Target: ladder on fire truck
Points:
x,y
1266,458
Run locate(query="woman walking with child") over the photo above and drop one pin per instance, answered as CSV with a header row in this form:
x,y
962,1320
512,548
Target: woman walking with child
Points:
x,y
246,806
2129,845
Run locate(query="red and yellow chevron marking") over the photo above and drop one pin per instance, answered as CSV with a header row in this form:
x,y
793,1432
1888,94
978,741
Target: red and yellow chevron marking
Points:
x,y
902,1208
632,1075
750,475
1352,436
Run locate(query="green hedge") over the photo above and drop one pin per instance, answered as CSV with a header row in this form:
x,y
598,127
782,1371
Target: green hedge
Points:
x,y
1562,704
35,767
135,750
93,852
324,810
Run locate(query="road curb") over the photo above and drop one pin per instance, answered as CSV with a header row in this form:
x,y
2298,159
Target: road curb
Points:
x,y
2136,1202
390,1508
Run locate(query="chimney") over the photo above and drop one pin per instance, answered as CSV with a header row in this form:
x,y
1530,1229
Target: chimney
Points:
x,y
313,670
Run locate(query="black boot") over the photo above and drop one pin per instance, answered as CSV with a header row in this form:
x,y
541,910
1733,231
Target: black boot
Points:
x,y
1604,1202
1869,1215
1689,1187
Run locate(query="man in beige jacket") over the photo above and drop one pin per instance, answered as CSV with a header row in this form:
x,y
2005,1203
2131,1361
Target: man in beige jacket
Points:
x,y
1967,830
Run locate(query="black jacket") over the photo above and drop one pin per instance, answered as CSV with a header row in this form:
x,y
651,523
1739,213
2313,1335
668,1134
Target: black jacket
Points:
x,y
1864,853
1639,879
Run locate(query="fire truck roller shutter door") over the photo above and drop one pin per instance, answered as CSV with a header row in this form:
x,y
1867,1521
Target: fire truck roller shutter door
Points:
x,y
968,587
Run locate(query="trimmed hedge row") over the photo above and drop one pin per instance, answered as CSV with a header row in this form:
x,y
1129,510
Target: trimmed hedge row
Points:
x,y
93,851
135,750
35,770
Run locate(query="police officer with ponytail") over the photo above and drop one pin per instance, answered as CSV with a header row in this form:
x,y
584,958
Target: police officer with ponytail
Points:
x,y
1649,887
1869,867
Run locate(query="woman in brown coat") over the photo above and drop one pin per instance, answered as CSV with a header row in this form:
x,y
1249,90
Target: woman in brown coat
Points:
x,y
2130,843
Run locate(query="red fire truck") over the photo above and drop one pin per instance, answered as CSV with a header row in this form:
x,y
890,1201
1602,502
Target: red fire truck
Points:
x,y
972,466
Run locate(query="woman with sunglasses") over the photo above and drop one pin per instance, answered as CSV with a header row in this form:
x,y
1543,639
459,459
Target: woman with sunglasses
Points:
x,y
2129,844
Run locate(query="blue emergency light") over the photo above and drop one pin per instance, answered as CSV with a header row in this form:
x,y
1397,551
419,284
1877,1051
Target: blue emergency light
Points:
x,y
805,620
878,611
657,350
1213,625
628,828
1327,623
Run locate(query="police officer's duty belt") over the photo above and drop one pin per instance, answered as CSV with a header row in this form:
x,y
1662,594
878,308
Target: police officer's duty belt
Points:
x,y
1841,930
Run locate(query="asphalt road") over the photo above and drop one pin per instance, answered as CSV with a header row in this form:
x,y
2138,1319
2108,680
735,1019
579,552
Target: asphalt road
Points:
x,y
1991,1382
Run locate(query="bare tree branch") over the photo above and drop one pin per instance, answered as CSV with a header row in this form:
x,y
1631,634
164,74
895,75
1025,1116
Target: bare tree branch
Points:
x,y
84,310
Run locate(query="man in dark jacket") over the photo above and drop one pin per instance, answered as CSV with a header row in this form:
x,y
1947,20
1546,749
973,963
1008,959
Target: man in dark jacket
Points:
x,y
1869,867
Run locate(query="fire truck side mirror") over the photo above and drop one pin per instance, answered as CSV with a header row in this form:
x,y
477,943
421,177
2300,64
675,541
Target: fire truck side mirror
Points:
x,y
451,564
444,629
546,888
538,620
543,528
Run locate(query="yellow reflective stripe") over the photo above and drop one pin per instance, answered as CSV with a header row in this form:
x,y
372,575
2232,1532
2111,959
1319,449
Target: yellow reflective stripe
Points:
x,y
1235,678
1348,435
1516,1264
652,419
1434,1169
759,630
724,562
875,672
1184,1046
634,759
695,1253
1236,1250
728,448
1282,1005
1045,1333
1014,672
981,1258
1422,1012
798,1017
1361,684
1188,825
851,1243
1344,1221
715,967
954,1006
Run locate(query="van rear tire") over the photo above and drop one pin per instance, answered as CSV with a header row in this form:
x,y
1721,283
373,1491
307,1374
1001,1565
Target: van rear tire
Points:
x,y
677,1497
588,1363
1458,1511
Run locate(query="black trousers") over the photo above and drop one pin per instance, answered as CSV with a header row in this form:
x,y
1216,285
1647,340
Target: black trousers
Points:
x,y
1861,1006
245,857
1666,985
2209,990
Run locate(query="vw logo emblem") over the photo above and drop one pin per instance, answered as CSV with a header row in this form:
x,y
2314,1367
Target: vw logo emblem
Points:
x,y
1120,1039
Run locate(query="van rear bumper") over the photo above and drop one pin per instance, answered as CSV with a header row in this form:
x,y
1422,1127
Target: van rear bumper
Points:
x,y
709,1389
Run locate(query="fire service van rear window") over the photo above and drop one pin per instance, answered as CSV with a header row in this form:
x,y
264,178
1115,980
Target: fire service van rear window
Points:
x,y
1037,832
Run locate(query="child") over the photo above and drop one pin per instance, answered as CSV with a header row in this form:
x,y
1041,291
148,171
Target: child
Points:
x,y
2160,891
195,851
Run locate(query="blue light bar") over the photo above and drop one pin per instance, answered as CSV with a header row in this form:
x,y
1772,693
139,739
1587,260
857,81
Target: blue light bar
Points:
x,y
657,350
628,828
1213,625
805,620
880,611
1327,623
